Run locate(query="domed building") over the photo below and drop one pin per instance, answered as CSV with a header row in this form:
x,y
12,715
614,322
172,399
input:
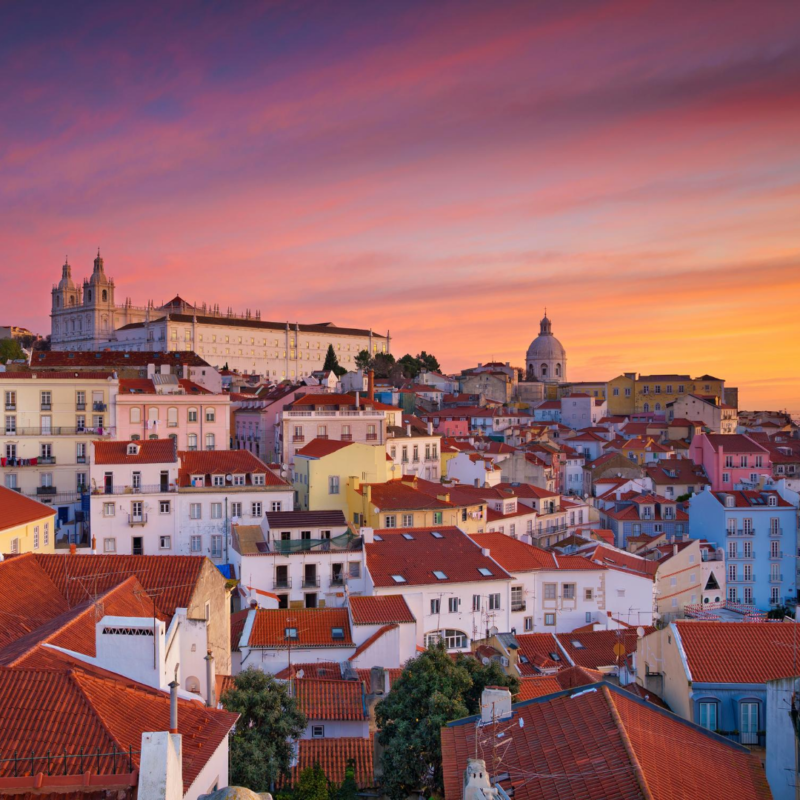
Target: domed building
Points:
x,y
546,359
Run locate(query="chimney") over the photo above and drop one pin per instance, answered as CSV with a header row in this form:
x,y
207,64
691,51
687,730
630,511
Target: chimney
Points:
x,y
173,707
73,549
211,700
476,781
94,546
674,549
371,384
430,428
367,535
408,429
358,400
495,704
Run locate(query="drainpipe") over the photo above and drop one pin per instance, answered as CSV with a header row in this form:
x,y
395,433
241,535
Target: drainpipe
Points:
x,y
225,530
173,706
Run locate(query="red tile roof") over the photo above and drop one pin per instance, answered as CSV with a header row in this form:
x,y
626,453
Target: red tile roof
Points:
x,y
537,686
84,709
539,649
398,496
595,649
319,448
237,628
734,443
211,462
366,676
622,561
331,699
380,610
321,670
333,756
726,652
16,509
526,490
314,627
149,451
113,358
453,553
601,741
750,499
517,556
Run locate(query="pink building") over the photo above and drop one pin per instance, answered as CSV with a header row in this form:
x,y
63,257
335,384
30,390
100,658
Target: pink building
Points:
x,y
730,459
166,406
449,422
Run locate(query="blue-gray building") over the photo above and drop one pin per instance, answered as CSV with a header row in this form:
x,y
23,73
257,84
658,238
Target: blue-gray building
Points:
x,y
757,530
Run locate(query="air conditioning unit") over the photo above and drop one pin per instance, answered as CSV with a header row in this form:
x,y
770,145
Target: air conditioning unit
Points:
x,y
504,661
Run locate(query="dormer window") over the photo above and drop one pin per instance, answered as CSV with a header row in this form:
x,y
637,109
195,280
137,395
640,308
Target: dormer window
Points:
x,y
133,449
259,480
772,500
218,480
238,480
198,480
728,502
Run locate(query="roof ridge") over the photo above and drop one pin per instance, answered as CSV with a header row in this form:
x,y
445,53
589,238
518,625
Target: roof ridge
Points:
x,y
73,676
627,744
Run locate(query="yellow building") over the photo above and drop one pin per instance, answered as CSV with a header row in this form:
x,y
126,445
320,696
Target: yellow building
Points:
x,y
25,524
592,388
323,468
414,503
50,420
649,394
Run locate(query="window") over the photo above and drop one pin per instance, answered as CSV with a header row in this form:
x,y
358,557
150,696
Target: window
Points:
x,y
436,605
748,595
109,509
587,594
731,549
192,441
354,569
550,619
726,478
408,520
708,715
218,480
195,511
109,545
165,542
333,484
390,521
210,441
774,551
317,731
494,602
46,534
216,546
35,537
439,575
196,544
211,415
398,579
528,624
476,602
568,591
276,505
236,509
437,517
732,572
747,548
453,604
216,511
452,639
163,506
550,591
192,415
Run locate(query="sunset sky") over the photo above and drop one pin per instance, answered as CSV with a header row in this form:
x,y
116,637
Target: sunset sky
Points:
x,y
440,170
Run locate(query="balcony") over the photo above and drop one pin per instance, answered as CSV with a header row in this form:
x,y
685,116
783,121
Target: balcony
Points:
x,y
282,583
151,488
81,460
310,581
518,605
776,531
298,438
775,577
347,437
372,437
333,413
322,436
136,520
80,406
99,406
775,556
46,460
46,407
337,580
46,490
11,406
60,430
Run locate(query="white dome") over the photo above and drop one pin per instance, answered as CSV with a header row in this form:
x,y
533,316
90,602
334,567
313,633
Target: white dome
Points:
x,y
546,347
546,358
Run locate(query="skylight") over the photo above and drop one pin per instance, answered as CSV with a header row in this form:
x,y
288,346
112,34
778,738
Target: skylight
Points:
x,y
436,535
408,536
290,633
578,645
487,573
440,575
377,538
337,633
398,579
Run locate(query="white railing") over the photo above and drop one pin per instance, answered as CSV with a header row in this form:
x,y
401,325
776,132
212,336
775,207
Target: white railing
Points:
x,y
373,414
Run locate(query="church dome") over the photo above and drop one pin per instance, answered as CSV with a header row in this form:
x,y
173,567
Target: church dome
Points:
x,y
545,347
66,277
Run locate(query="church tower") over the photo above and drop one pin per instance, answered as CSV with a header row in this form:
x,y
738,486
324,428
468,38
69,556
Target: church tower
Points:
x,y
98,304
65,307
546,359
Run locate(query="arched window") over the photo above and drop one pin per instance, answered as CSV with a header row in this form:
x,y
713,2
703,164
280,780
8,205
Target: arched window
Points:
x,y
646,407
558,370
211,415
135,437
72,300
452,639
191,415
152,414
73,325
105,295
89,295
136,415
192,441
80,325
544,370
153,436
210,440
58,302
173,436
172,417
658,406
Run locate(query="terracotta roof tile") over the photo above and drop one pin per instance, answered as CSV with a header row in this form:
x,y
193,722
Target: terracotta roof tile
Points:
x,y
16,509
210,462
539,650
314,627
149,451
331,699
452,552
333,756
624,562
590,742
517,556
726,652
397,496
319,448
321,670
595,649
380,610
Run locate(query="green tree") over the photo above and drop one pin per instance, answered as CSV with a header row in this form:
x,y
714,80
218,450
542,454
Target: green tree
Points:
x,y
363,360
332,362
482,676
428,694
312,785
10,350
429,362
349,788
261,747
411,366
383,364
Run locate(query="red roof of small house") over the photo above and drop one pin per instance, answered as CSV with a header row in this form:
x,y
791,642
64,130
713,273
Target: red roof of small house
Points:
x,y
333,756
614,558
540,651
223,462
148,386
750,499
734,443
595,649
237,628
415,555
380,609
724,652
314,628
148,451
517,556
81,709
526,490
602,741
331,699
16,509
321,670
396,495
319,448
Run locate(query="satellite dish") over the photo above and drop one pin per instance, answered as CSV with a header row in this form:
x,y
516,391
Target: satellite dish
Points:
x,y
229,478
640,631
493,631
300,673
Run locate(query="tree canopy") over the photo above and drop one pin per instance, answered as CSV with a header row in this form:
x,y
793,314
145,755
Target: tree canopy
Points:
x,y
261,744
10,350
431,691
332,363
413,365
363,360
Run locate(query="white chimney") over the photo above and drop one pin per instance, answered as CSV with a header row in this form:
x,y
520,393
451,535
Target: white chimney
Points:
x,y
476,781
495,704
211,680
430,428
161,767
408,429
367,535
